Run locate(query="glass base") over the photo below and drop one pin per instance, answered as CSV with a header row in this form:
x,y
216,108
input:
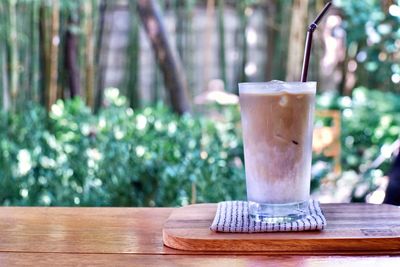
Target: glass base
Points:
x,y
277,213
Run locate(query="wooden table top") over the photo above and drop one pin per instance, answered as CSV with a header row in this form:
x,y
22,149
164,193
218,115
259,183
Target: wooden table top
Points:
x,y
352,229
43,236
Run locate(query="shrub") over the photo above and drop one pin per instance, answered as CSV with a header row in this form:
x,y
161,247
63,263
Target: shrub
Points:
x,y
370,125
151,157
119,157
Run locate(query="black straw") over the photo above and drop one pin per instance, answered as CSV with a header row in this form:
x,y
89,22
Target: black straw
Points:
x,y
307,49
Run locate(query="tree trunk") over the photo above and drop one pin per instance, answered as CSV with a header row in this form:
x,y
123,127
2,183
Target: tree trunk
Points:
x,y
174,78
71,56
89,54
298,32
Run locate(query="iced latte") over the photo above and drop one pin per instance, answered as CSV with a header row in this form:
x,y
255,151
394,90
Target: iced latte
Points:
x,y
277,121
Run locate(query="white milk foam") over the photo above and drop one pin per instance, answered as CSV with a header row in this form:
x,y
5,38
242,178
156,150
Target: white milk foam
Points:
x,y
278,87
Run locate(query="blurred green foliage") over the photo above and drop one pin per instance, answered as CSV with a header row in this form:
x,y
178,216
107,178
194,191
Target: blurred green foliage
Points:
x,y
152,157
373,41
369,122
370,125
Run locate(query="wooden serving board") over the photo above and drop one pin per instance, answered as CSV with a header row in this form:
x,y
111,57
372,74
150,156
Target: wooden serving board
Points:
x,y
352,228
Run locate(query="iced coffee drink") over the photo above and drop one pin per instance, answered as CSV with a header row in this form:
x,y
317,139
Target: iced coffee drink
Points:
x,y
277,121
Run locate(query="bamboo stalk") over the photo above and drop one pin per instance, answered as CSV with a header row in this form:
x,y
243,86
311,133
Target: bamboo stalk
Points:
x,y
5,94
155,96
133,65
28,55
1,76
13,52
281,38
296,39
2,63
156,84
44,52
24,43
189,44
271,35
98,58
95,30
24,50
53,55
82,46
62,70
210,8
34,50
241,9
221,39
71,55
23,55
49,28
89,53
179,31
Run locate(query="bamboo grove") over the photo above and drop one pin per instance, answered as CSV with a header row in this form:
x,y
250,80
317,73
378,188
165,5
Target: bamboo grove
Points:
x,y
48,50
54,49
51,49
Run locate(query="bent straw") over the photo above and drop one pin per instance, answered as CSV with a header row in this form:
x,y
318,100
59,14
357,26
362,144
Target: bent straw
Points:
x,y
307,49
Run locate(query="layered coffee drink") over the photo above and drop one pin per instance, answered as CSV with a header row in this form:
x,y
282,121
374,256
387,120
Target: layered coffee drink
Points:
x,y
277,122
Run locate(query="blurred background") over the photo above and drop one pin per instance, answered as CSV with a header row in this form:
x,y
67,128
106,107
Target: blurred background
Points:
x,y
134,103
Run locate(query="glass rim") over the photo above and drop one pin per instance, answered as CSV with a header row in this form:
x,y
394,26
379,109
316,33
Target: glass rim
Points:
x,y
278,87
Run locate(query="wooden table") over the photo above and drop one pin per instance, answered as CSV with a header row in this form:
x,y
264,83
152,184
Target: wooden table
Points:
x,y
31,236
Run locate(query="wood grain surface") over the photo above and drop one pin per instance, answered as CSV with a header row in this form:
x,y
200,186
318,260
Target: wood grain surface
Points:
x,y
38,236
82,230
355,228
115,260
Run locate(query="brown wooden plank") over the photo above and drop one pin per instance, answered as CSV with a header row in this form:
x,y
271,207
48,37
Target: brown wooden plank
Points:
x,y
82,230
100,230
60,259
355,228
